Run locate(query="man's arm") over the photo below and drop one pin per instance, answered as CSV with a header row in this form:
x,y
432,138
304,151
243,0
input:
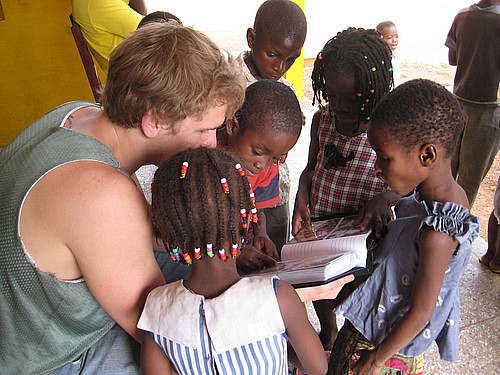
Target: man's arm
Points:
x,y
139,6
109,233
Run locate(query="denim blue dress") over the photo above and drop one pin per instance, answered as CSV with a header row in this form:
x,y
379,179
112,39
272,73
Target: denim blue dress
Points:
x,y
377,305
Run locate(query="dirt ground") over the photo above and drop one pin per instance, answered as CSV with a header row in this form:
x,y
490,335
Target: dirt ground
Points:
x,y
443,74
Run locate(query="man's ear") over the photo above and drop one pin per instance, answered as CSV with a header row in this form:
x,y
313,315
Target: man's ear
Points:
x,y
428,154
232,127
250,37
149,124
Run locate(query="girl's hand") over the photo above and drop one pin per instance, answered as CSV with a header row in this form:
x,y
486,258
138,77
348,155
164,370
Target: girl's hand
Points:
x,y
366,365
251,260
301,217
377,212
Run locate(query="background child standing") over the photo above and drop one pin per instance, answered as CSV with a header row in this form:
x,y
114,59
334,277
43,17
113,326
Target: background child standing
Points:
x,y
215,321
389,32
411,299
275,42
351,74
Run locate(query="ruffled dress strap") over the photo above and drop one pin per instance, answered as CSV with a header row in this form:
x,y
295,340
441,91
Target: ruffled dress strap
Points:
x,y
452,219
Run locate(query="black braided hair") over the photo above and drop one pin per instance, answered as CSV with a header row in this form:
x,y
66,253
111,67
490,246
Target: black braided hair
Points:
x,y
421,111
194,211
364,54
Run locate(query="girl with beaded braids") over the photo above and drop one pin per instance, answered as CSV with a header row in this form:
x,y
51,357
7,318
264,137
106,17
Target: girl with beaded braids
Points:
x,y
215,321
351,74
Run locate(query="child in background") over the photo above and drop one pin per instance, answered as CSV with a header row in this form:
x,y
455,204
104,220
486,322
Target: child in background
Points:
x,y
259,137
411,299
352,73
215,321
389,32
275,42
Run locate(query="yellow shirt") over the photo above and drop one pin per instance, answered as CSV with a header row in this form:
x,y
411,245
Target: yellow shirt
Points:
x,y
104,24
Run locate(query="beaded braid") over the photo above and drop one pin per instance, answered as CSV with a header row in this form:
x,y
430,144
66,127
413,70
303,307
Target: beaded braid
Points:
x,y
183,208
363,53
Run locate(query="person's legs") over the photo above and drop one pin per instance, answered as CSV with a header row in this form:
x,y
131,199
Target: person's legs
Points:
x,y
479,146
328,322
116,353
491,258
278,224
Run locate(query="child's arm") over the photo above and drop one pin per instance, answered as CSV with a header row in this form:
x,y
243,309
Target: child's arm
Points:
x,y
435,251
153,358
306,351
377,212
301,214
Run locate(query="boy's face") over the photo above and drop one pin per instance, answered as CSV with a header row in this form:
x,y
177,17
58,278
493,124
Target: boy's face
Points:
x,y
257,150
391,37
270,57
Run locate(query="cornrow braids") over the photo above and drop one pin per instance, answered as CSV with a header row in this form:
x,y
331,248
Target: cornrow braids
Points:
x,y
193,210
363,53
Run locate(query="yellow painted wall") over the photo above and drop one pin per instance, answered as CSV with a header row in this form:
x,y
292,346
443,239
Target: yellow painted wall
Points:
x,y
296,73
40,67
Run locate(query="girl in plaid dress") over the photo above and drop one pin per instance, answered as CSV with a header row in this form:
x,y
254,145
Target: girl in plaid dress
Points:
x,y
351,74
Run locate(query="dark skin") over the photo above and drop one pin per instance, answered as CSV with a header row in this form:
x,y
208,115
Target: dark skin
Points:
x,y
342,98
139,6
271,56
256,151
426,168
211,277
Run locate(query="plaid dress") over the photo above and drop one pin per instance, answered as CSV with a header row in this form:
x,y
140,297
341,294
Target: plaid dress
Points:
x,y
344,177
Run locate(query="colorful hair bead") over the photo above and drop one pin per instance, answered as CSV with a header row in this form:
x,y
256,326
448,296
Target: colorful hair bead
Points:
x,y
225,186
197,253
372,91
320,57
252,196
234,250
175,254
210,252
244,215
240,170
373,69
184,169
359,94
255,216
391,69
365,57
222,254
367,100
383,62
187,258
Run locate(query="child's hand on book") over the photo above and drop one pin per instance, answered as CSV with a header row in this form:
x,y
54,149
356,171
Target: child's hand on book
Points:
x,y
376,213
251,259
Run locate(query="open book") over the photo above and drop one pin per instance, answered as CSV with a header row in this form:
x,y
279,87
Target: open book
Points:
x,y
332,249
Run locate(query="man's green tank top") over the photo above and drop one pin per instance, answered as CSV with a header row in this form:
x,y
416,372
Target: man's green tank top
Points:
x,y
44,322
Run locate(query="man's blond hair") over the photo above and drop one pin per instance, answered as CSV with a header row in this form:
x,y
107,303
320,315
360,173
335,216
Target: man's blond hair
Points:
x,y
175,71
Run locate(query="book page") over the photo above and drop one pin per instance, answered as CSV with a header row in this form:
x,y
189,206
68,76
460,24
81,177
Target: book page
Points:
x,y
326,247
